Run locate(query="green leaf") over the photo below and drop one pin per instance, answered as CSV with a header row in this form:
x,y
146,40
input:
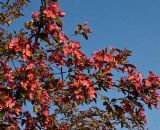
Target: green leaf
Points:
x,y
105,103
1,114
59,22
56,39
113,100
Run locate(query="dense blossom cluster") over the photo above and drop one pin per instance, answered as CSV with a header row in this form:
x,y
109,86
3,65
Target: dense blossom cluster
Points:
x,y
48,72
17,45
82,86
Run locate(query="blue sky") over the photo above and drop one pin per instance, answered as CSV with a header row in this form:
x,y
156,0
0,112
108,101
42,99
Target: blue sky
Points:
x,y
131,24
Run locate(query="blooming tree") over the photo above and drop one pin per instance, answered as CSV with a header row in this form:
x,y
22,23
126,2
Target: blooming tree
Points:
x,y
45,78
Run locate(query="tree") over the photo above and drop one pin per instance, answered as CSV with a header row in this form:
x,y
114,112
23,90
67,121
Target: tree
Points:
x,y
41,67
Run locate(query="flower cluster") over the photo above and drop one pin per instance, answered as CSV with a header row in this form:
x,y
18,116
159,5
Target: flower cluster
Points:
x,y
53,11
21,46
82,86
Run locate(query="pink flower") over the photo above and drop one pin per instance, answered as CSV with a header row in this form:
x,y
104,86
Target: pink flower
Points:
x,y
127,107
61,14
49,14
10,103
141,114
90,30
53,6
85,23
45,113
28,50
30,65
35,15
14,44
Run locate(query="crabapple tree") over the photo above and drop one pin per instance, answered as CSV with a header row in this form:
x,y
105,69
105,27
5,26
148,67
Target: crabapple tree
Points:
x,y
44,70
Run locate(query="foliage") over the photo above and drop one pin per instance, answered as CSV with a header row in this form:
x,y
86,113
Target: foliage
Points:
x,y
41,68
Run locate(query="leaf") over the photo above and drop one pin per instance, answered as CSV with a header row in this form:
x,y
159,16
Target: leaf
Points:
x,y
122,124
118,50
95,100
127,52
22,94
1,114
55,38
139,104
117,107
110,113
104,97
59,22
76,32
123,91
105,89
36,109
105,103
130,65
9,21
85,35
23,122
149,106
36,23
27,25
10,36
79,27
113,100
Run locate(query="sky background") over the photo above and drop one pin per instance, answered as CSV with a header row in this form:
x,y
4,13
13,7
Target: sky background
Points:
x,y
131,24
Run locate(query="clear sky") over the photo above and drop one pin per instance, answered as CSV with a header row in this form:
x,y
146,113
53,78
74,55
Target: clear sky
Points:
x,y
131,24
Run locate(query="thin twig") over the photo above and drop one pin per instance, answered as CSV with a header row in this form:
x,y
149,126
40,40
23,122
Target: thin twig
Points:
x,y
14,66
62,73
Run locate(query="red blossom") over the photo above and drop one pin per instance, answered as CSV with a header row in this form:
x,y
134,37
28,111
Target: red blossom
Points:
x,y
35,15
